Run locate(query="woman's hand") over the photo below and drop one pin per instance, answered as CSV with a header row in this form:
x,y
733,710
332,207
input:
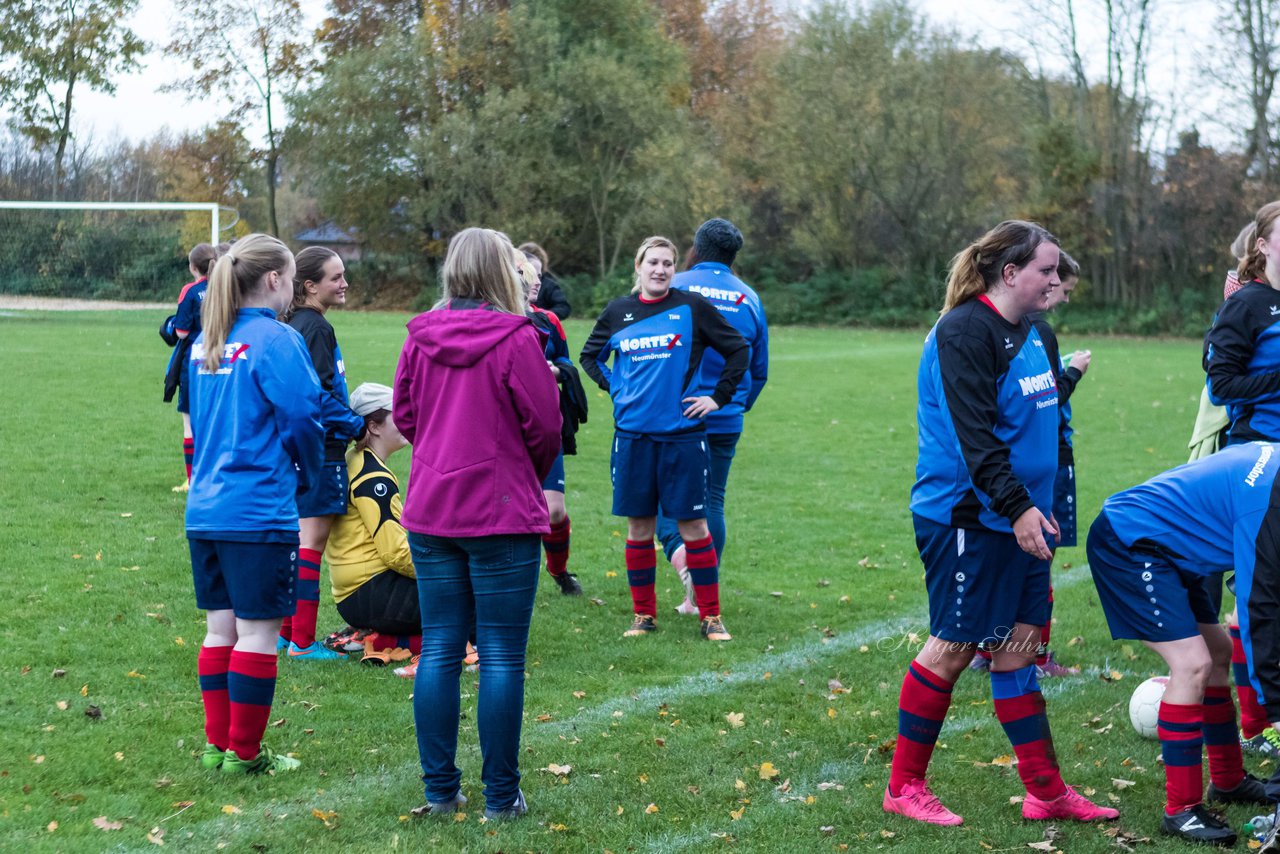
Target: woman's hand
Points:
x,y
700,407
1030,529
1080,360
555,372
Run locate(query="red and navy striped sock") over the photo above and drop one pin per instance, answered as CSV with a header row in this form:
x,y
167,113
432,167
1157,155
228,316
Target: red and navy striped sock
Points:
x,y
922,707
1221,741
413,643
308,603
286,628
1253,719
188,453
251,686
642,571
1020,709
704,572
556,545
1180,747
211,666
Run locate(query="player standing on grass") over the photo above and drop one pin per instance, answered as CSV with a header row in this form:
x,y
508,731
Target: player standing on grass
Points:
x,y
256,419
186,326
320,284
556,543
1148,549
657,337
1242,368
715,246
988,438
1064,485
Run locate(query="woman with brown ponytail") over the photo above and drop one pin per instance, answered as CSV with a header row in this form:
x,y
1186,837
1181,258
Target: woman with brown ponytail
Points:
x,y
982,507
320,284
255,413
1242,348
186,326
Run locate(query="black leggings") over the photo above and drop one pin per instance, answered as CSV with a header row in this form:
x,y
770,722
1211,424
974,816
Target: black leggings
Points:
x,y
386,603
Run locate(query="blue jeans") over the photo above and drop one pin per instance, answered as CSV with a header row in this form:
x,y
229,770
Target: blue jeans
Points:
x,y
721,448
491,580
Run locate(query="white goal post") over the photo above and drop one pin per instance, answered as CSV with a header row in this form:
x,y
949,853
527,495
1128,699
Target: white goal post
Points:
x,y
212,208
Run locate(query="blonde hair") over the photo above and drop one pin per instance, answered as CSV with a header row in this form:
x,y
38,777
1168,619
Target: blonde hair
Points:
x,y
1240,246
1253,264
655,242
236,275
980,266
479,265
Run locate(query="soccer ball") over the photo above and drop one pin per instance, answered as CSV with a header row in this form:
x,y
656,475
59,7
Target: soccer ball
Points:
x,y
1144,706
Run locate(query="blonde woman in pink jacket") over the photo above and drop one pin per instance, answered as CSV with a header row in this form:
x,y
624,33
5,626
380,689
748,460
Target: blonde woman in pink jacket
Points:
x,y
474,397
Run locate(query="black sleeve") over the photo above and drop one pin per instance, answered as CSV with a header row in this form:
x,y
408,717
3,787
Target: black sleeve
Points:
x,y
594,349
551,297
1263,641
970,372
1066,380
725,340
1232,340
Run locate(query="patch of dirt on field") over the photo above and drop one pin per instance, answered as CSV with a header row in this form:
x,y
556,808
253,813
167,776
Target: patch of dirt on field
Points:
x,y
17,303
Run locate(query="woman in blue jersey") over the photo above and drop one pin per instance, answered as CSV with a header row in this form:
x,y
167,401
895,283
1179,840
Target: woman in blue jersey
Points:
x,y
657,337
255,415
320,284
1149,550
186,326
981,504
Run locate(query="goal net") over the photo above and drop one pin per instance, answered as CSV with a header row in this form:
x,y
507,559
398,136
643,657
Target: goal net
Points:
x,y
92,250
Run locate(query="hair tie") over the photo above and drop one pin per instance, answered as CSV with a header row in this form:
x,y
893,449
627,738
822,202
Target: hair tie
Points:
x,y
234,259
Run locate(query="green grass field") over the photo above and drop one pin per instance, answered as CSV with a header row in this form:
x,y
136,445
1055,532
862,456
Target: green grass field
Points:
x,y
821,582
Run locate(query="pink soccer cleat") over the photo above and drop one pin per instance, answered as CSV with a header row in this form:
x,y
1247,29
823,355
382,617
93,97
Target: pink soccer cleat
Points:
x,y
919,802
1072,806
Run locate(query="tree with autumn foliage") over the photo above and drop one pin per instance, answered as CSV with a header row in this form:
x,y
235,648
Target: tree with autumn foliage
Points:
x,y
253,53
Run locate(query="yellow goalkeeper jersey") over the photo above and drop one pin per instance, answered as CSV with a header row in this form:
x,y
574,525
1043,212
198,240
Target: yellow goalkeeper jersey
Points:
x,y
368,539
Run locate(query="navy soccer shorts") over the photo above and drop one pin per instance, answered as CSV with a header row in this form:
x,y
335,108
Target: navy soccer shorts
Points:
x,y
1144,596
670,473
255,580
554,481
980,582
327,494
1064,505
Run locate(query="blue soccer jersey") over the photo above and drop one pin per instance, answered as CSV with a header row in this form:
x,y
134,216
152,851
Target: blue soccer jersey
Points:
x,y
988,421
1218,513
657,348
1242,362
740,305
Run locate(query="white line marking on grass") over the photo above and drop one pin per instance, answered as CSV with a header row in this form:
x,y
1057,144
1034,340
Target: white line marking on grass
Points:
x,y
713,681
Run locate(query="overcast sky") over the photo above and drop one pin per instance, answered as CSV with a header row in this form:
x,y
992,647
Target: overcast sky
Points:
x,y
1183,29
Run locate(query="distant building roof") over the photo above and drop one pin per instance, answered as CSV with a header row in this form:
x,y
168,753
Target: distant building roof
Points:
x,y
326,232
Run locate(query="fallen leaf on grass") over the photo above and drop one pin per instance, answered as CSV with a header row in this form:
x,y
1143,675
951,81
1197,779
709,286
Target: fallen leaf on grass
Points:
x,y
457,817
578,695
827,830
1005,761
51,826
156,836
542,719
119,756
887,834
104,823
1046,845
831,713
822,787
739,785
735,719
767,771
1121,784
835,687
39,760
737,814
557,827
329,817
62,705
651,809
231,809
182,805
559,770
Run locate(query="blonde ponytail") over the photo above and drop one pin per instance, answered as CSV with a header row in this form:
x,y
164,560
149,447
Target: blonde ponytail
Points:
x,y
236,275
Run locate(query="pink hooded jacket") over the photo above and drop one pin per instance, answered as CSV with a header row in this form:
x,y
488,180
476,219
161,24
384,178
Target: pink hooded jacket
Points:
x,y
474,396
